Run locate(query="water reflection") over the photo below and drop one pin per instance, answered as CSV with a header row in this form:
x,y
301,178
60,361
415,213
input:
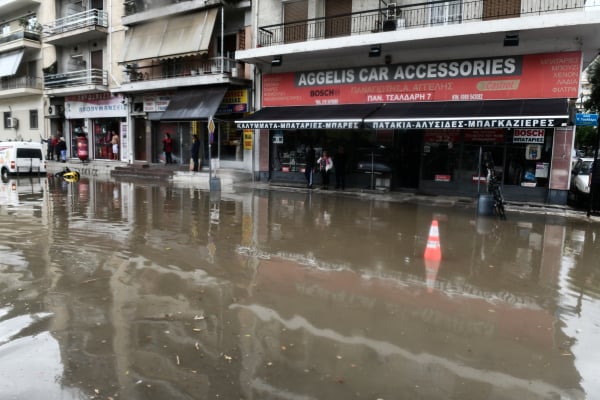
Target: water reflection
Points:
x,y
142,291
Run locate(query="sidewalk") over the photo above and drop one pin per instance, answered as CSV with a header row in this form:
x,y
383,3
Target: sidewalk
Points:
x,y
232,179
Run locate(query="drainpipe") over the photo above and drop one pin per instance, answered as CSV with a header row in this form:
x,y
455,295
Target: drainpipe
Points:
x,y
222,36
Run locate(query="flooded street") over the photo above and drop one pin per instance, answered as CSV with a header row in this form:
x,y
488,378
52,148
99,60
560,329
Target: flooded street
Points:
x,y
118,290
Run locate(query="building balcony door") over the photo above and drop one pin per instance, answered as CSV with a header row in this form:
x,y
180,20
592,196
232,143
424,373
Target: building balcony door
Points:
x,y
337,18
498,9
295,15
447,12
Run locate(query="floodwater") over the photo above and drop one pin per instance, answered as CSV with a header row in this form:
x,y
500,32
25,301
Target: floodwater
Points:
x,y
118,290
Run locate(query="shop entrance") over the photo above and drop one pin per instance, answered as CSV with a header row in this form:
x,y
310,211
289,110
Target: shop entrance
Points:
x,y
407,165
139,134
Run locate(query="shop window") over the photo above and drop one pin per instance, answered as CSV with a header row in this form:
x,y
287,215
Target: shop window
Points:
x,y
102,132
231,142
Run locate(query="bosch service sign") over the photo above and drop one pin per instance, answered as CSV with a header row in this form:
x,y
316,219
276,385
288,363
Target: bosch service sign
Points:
x,y
528,136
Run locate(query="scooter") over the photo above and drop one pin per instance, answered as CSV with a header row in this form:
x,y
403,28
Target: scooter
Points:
x,y
68,175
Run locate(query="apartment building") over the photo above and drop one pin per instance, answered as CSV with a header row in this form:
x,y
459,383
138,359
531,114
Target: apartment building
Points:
x,y
138,68
21,102
422,92
179,73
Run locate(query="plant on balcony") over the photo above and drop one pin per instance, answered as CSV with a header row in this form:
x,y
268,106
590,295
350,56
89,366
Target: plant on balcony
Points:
x,y
26,24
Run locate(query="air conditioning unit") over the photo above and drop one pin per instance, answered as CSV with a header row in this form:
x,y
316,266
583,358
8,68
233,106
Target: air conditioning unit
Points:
x,y
53,111
391,11
12,123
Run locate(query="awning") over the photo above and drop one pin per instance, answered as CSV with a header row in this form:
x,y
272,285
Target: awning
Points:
x,y
194,104
9,62
348,116
178,36
539,113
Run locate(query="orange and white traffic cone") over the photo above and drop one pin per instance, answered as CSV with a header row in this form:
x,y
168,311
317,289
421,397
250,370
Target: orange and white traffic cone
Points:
x,y
432,256
433,251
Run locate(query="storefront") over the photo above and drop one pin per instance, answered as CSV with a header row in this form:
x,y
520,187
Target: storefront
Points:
x,y
430,122
186,112
97,117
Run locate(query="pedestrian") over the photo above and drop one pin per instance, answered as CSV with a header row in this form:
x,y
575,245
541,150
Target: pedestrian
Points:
x,y
339,165
61,149
168,148
195,153
325,165
49,149
309,169
55,153
115,145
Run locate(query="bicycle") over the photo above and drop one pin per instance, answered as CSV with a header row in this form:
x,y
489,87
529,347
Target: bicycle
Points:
x,y
493,187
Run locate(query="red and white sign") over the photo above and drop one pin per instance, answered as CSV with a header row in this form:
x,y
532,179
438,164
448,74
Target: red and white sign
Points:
x,y
528,136
534,76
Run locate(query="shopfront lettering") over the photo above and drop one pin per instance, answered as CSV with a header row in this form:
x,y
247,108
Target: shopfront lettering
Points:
x,y
298,125
469,68
464,123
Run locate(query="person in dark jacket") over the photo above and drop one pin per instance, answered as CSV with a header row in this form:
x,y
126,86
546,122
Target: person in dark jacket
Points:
x,y
195,153
168,148
340,162
309,170
61,149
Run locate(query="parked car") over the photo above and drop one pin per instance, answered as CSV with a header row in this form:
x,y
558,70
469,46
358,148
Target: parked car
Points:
x,y
372,161
21,157
580,179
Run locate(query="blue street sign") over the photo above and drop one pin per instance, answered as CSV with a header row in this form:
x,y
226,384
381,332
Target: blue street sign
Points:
x,y
586,119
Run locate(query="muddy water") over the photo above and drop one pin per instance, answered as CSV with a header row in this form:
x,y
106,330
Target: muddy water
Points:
x,y
132,291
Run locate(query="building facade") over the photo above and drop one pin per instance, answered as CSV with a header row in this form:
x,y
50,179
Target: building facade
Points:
x,y
21,100
420,94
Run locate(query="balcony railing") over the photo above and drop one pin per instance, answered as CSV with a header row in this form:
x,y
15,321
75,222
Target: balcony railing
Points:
x,y
85,19
425,14
76,78
20,82
178,69
20,35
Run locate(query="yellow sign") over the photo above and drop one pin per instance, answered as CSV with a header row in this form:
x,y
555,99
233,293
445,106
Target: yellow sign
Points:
x,y
248,134
211,125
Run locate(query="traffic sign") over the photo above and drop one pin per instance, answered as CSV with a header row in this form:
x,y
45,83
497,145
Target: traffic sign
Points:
x,y
586,119
211,125
211,129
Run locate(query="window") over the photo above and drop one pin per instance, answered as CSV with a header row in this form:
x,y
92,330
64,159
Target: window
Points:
x,y
447,12
7,115
33,119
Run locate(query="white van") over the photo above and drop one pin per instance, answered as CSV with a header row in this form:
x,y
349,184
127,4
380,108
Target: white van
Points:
x,y
21,158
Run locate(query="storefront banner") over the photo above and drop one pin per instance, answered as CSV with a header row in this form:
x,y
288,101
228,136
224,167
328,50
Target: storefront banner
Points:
x,y
248,139
460,123
156,103
234,101
96,105
490,136
528,136
535,76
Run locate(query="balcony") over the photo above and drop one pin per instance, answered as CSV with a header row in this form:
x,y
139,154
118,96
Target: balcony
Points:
x,y
176,73
17,86
76,28
10,6
19,39
76,82
425,14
